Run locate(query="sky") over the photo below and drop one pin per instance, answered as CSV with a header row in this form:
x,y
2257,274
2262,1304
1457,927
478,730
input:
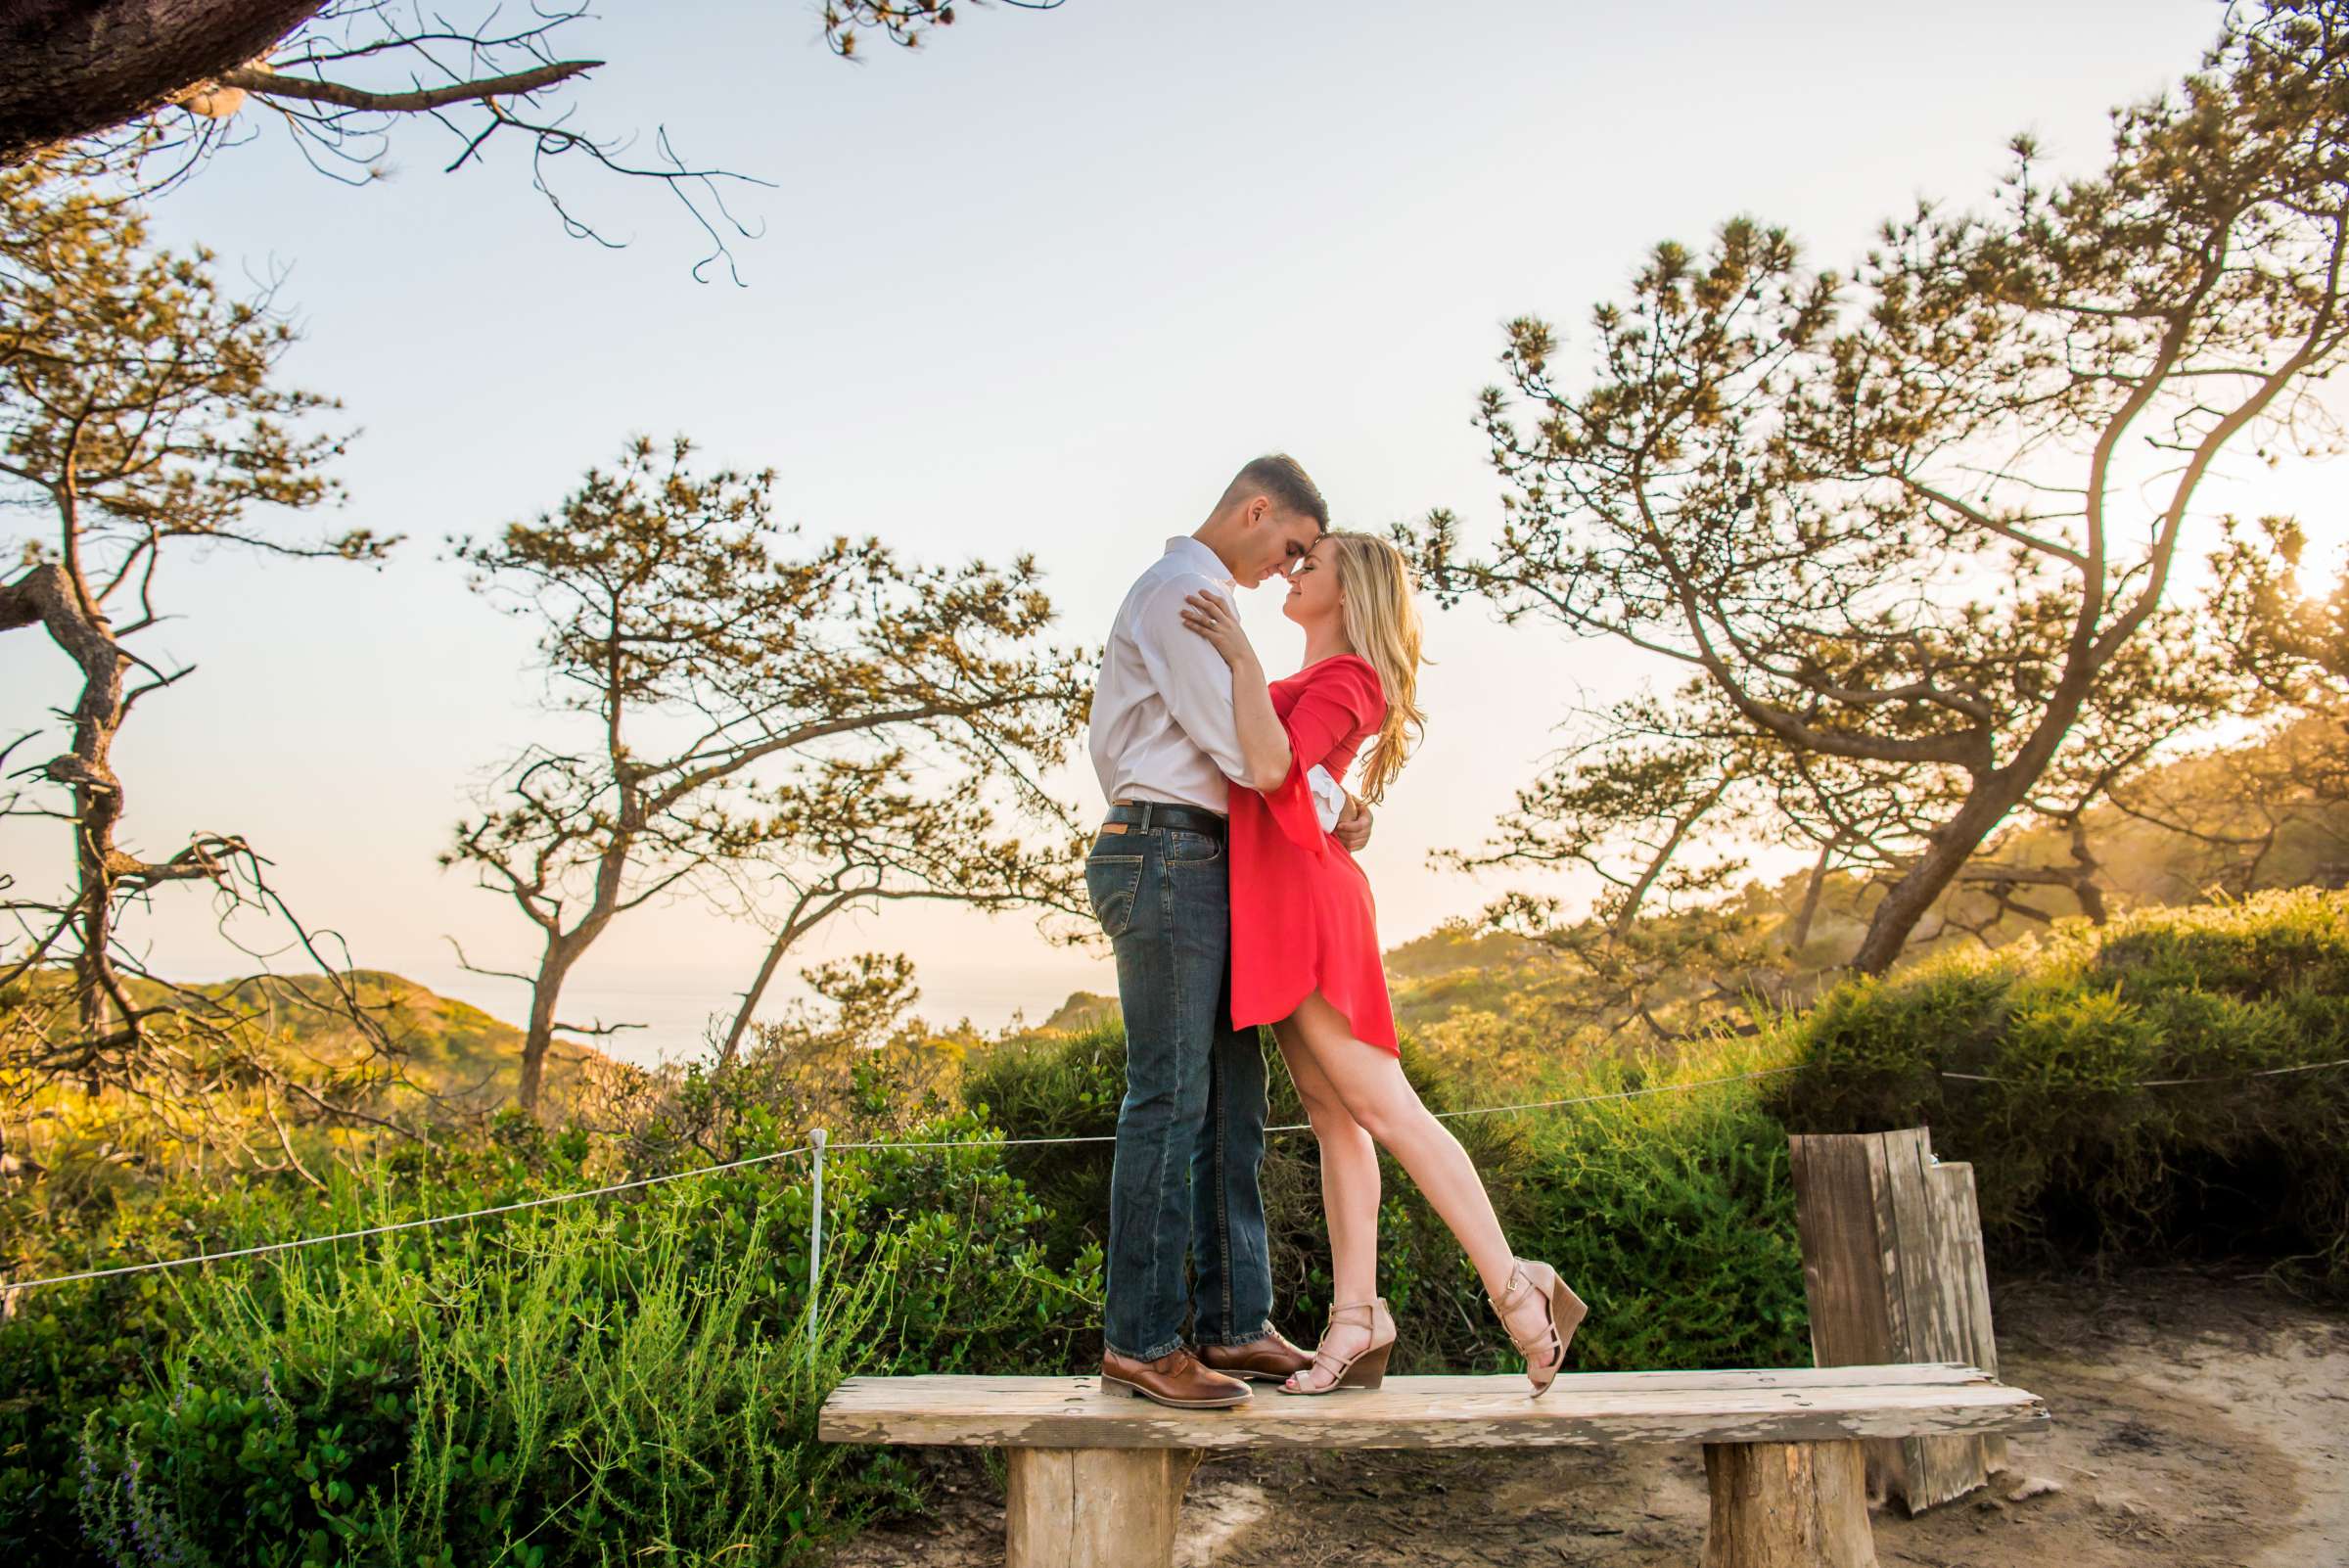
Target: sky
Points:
x,y
1039,287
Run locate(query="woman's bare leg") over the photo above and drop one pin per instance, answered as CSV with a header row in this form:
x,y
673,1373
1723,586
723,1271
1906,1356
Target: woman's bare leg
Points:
x,y
1370,1083
1349,1193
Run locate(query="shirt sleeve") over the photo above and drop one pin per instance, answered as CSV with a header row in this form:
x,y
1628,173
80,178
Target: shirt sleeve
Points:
x,y
1190,676
1329,798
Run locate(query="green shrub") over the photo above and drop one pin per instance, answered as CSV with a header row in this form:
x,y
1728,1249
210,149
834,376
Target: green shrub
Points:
x,y
1673,1215
1670,1215
562,1386
2059,1044
591,1393
582,1385
71,1349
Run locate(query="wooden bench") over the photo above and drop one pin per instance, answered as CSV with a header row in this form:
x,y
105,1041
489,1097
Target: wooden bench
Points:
x,y
1096,1477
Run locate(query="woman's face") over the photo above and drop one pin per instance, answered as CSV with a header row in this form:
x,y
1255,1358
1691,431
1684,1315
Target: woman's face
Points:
x,y
1313,586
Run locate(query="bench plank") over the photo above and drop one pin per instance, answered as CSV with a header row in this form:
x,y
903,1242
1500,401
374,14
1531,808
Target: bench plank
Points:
x,y
964,1386
1778,1405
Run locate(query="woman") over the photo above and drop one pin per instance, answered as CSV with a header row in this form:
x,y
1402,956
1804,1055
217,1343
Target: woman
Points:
x,y
1304,954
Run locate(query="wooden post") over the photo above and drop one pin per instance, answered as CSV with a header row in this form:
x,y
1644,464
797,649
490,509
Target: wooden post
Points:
x,y
1788,1505
1893,1270
815,1239
1093,1508
1963,1278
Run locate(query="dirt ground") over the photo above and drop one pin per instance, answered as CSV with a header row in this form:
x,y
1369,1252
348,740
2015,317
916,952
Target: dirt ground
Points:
x,y
2200,1421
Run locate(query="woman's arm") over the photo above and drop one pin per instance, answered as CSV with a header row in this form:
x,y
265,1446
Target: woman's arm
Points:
x,y
1263,739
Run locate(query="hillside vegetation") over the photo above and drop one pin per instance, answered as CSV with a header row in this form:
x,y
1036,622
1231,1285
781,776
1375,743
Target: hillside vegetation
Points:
x,y
441,1044
1498,1004
1516,1001
461,1392
2176,1082
390,1402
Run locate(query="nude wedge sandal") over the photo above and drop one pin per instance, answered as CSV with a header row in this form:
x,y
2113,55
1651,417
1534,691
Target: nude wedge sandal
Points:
x,y
1365,1367
1566,1312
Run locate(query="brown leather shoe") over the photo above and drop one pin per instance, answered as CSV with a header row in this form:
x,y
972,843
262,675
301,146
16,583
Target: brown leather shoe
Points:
x,y
1175,1378
1272,1357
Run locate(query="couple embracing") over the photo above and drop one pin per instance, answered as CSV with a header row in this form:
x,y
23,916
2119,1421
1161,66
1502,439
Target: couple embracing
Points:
x,y
1224,875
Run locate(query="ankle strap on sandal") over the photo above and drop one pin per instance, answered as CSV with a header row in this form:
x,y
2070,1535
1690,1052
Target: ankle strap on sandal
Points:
x,y
1519,1282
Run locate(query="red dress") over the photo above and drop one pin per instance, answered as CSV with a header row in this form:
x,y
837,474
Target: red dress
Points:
x,y
1302,919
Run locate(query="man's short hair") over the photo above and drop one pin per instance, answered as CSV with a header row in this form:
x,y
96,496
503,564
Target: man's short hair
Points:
x,y
1283,478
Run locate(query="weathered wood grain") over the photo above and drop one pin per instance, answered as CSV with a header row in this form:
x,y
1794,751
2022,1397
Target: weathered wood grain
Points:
x,y
1788,1505
1093,1508
1835,1218
984,1386
1840,1218
1077,1412
1939,1469
1893,1270
1958,1220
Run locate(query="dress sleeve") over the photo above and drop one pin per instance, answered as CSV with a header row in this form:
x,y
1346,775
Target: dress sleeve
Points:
x,y
1342,698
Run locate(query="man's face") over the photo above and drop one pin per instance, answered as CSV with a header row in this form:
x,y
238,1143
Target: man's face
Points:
x,y
1276,541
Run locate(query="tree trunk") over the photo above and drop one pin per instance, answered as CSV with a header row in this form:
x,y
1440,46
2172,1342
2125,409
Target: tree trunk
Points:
x,y
561,951
50,595
750,1000
95,900
98,810
1993,795
1801,934
76,68
2085,888
1953,844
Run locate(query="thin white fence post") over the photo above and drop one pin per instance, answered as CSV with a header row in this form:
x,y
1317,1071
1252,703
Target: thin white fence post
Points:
x,y
816,1235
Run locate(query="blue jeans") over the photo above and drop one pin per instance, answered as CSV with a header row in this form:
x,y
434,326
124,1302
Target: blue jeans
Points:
x,y
1191,1128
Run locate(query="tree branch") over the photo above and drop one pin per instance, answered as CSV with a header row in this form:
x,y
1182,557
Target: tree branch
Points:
x,y
259,79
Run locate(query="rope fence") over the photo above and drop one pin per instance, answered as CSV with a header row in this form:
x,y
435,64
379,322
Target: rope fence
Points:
x,y
11,1288
2164,1082
822,1142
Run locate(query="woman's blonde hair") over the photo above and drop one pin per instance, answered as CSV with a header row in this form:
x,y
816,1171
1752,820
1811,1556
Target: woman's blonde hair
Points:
x,y
1382,623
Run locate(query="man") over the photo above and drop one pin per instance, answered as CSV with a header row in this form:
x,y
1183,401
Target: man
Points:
x,y
1166,748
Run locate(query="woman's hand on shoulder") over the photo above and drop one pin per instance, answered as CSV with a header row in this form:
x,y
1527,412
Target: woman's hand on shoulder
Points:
x,y
1211,618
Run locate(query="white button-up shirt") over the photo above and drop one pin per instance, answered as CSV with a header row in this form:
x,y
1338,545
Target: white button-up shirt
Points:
x,y
1163,727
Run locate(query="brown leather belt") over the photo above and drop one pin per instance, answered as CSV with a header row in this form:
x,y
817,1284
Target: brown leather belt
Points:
x,y
1143,816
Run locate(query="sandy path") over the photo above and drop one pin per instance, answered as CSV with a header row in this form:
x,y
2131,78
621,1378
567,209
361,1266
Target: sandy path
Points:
x,y
2199,1423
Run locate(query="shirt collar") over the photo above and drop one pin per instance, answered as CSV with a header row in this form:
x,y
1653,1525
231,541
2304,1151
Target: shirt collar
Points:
x,y
1200,557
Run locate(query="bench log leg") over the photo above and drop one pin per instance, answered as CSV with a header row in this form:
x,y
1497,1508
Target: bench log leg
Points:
x,y
1093,1508
1788,1505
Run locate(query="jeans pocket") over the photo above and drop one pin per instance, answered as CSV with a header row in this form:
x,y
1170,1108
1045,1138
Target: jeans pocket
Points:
x,y
1185,847
1111,882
